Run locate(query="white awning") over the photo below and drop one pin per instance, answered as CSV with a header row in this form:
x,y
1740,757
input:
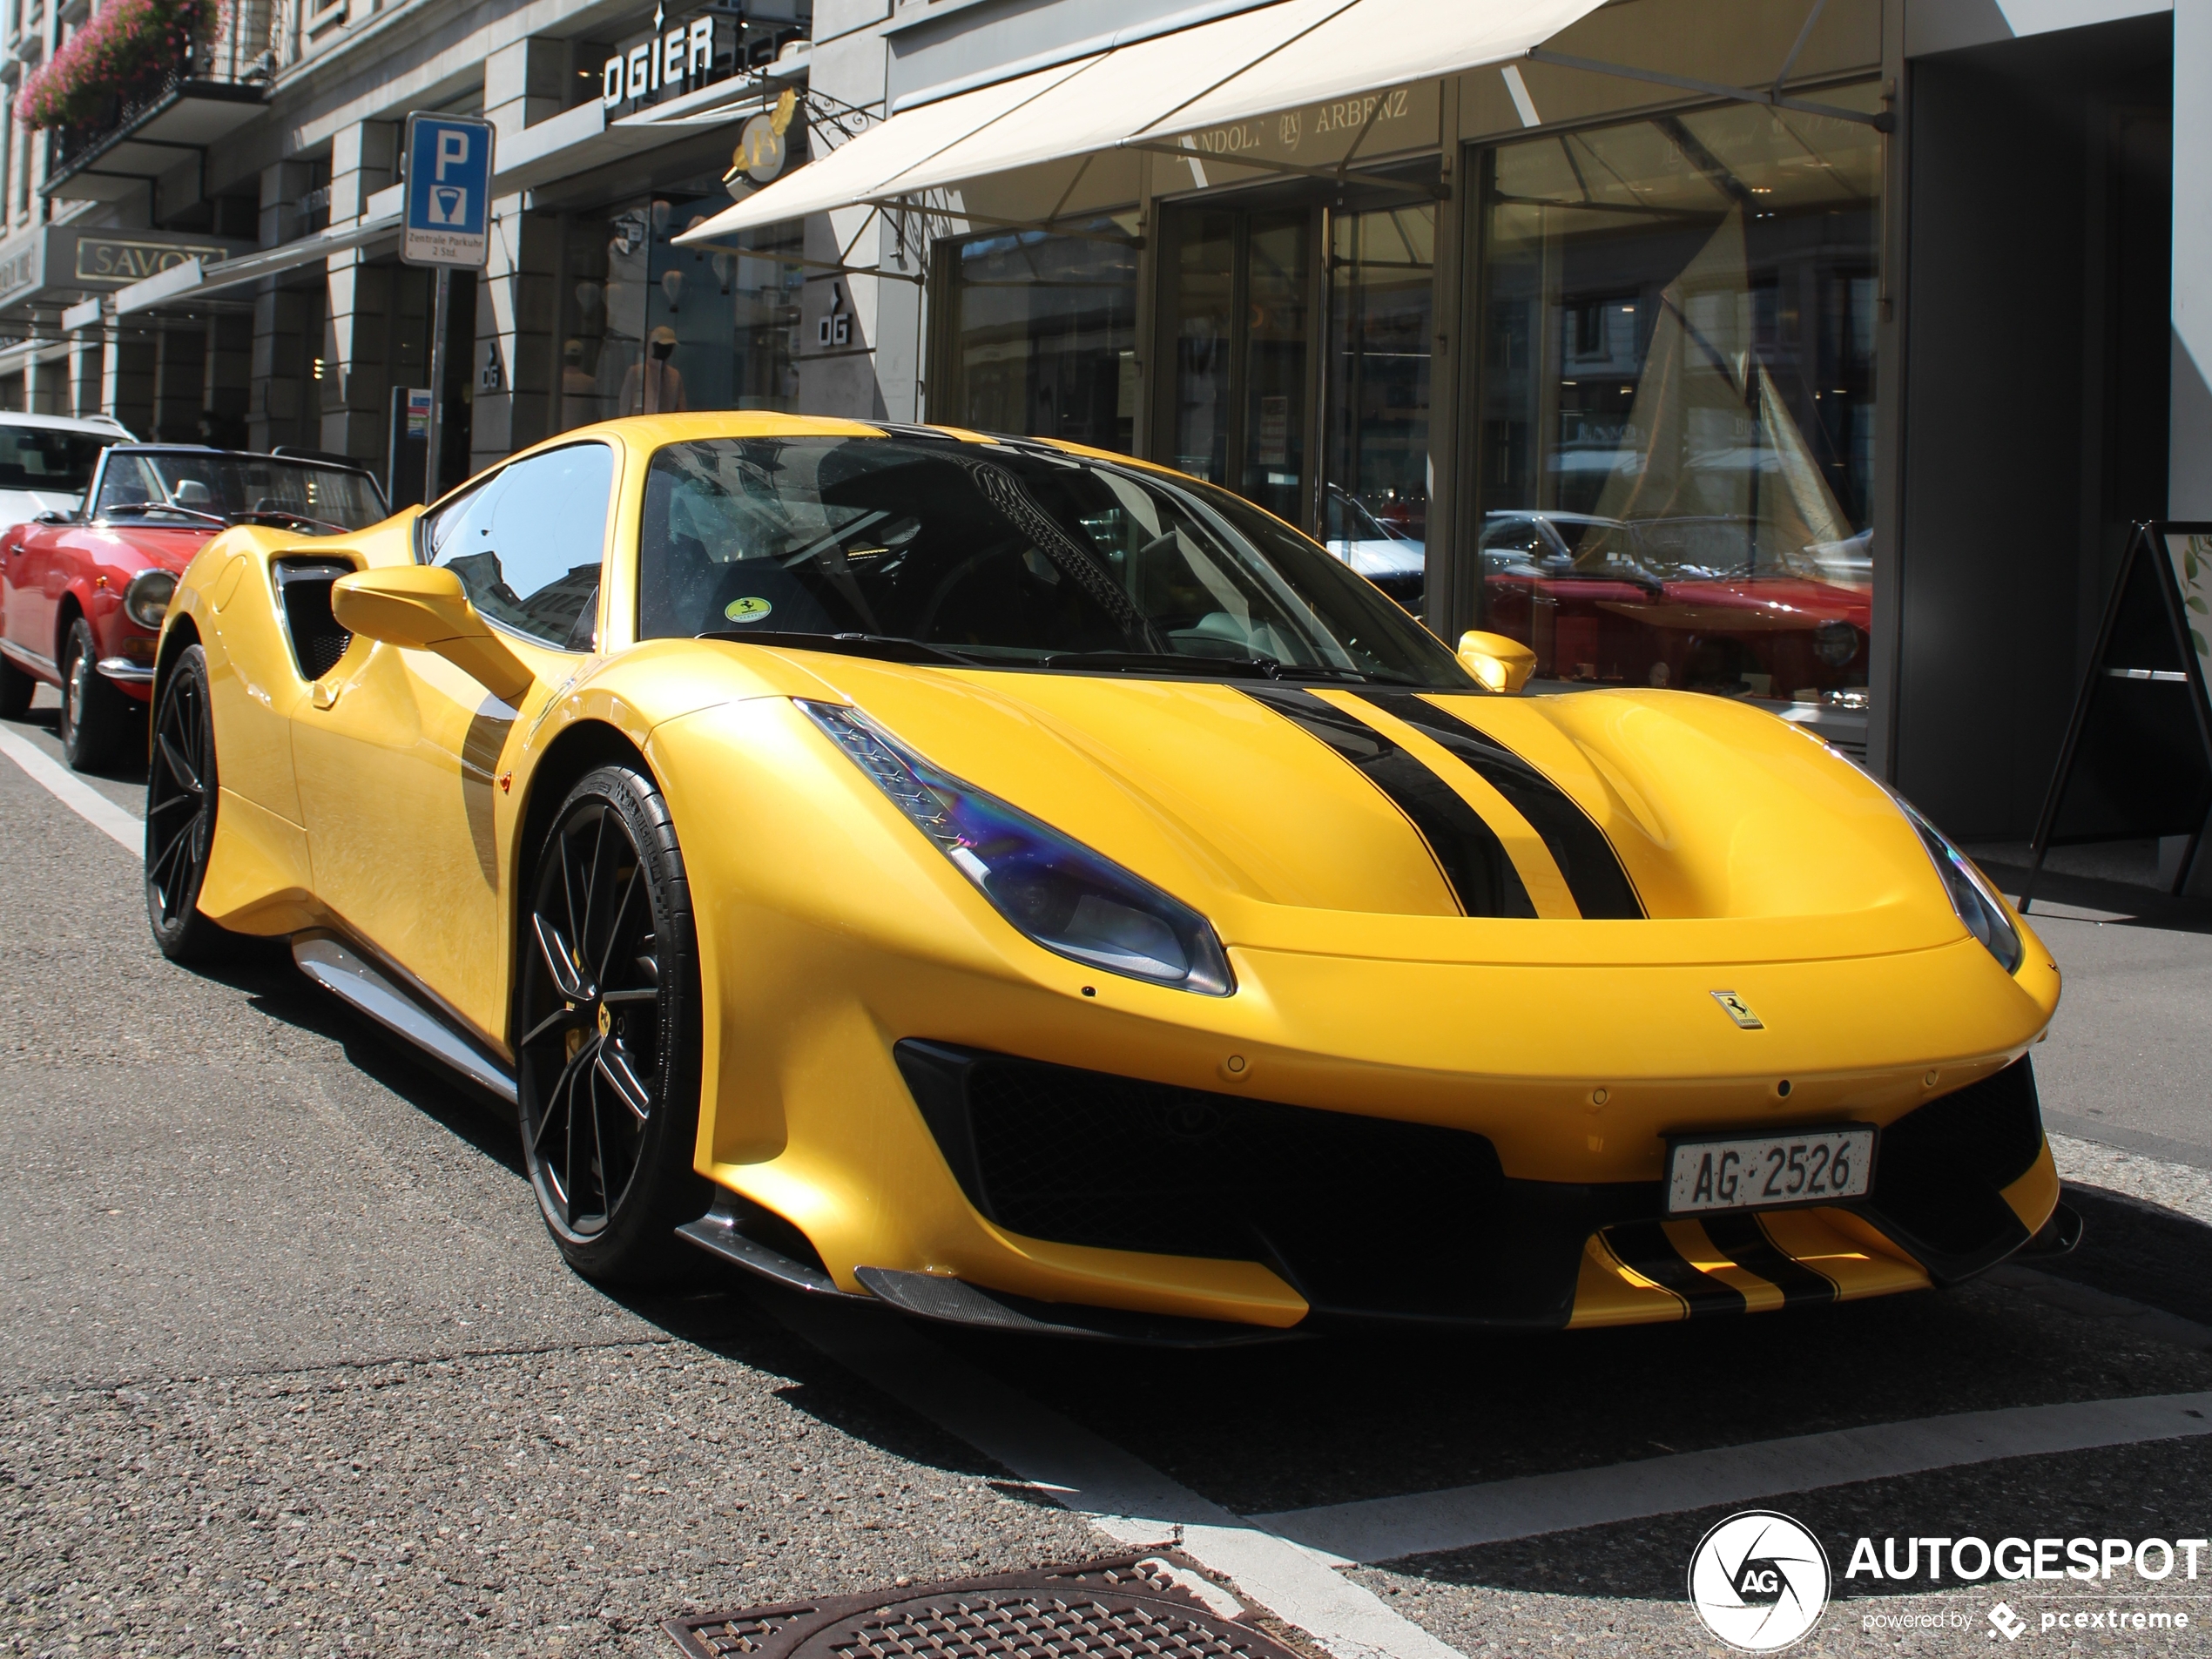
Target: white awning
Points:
x,y
181,284
1269,59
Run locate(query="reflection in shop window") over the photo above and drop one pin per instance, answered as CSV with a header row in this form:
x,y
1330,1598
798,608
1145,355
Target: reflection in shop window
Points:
x,y
651,328
1677,404
1381,275
1042,336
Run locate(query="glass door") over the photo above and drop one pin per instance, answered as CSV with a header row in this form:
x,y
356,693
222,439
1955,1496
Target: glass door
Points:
x,y
1301,382
1375,394
1238,316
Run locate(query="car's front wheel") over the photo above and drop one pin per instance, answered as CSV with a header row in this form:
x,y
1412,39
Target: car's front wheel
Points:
x,y
181,797
96,718
607,1018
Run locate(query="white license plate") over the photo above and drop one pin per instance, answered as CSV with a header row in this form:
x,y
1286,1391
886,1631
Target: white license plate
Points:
x,y
1769,1171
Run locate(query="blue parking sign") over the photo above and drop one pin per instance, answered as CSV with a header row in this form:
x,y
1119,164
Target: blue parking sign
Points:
x,y
449,191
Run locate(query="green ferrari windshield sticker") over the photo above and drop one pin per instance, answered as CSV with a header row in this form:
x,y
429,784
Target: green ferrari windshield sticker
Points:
x,y
746,609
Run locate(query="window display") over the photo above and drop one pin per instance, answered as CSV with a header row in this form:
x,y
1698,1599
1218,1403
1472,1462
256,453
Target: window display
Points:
x,y
1043,336
651,328
1675,450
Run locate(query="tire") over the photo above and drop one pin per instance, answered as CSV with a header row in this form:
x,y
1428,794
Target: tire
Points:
x,y
182,792
96,718
608,1015
17,689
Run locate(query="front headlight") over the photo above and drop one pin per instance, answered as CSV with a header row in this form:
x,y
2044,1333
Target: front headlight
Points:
x,y
1977,903
146,600
1057,891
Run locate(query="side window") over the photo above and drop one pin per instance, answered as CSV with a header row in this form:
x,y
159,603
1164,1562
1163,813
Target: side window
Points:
x,y
527,543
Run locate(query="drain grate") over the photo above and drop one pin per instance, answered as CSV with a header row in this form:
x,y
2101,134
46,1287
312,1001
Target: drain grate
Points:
x,y
1125,1609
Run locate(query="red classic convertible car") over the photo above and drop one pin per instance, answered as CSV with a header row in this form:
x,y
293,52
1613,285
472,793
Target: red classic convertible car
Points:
x,y
82,593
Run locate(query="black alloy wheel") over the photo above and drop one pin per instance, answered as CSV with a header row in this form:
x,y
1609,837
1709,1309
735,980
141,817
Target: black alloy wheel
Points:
x,y
607,1001
96,716
181,793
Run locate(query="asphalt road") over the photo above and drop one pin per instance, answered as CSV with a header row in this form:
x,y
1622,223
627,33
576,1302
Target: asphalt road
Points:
x,y
287,1364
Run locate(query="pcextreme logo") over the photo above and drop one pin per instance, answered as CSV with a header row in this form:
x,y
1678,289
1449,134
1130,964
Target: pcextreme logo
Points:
x,y
1759,1581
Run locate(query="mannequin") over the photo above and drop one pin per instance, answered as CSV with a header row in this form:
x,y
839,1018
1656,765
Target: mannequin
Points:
x,y
655,387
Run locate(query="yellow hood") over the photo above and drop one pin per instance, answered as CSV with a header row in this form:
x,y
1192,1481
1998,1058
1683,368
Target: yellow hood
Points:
x,y
1741,838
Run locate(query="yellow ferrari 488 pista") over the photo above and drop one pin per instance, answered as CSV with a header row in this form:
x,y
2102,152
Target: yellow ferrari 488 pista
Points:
x,y
1029,888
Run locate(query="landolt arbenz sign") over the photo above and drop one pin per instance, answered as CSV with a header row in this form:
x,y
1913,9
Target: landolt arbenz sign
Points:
x,y
1404,117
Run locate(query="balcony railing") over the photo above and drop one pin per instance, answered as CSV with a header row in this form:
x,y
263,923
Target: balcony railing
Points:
x,y
214,86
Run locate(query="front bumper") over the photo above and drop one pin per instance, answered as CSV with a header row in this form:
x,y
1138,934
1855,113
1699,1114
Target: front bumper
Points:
x,y
1372,1219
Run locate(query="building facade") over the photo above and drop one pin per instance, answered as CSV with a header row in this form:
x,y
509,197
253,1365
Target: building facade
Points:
x,y
1814,354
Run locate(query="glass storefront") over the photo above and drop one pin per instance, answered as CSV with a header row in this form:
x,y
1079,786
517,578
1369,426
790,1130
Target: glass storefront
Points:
x,y
1042,337
1675,453
648,327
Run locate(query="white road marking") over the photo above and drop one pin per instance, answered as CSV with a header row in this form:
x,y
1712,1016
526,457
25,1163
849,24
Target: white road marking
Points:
x,y
1120,1494
96,809
1381,1529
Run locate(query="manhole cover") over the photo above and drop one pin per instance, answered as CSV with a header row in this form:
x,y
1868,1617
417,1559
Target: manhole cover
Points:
x,y
1094,1610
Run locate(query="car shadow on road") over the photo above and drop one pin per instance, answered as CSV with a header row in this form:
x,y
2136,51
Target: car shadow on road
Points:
x,y
128,767
263,971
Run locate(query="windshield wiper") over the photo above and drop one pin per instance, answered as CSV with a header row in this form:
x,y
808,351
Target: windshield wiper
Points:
x,y
281,515
890,648
1362,676
1139,662
140,508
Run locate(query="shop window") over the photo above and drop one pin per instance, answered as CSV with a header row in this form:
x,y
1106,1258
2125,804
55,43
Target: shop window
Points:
x,y
651,328
1676,393
1040,337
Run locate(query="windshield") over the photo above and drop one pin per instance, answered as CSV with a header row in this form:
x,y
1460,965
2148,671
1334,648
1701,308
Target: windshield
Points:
x,y
1003,555
45,459
214,487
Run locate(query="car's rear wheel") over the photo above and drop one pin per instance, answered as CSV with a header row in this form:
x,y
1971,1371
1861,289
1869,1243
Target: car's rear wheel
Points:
x,y
96,718
17,689
181,797
607,1006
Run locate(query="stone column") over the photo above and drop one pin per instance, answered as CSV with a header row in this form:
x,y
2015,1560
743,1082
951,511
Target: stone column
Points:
x,y
357,335
179,382
224,393
286,328
517,312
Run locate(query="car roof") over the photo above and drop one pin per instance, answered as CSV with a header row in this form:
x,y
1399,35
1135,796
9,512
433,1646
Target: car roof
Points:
x,y
94,426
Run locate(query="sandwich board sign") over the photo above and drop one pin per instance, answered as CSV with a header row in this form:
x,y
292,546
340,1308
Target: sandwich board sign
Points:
x,y
448,192
2137,760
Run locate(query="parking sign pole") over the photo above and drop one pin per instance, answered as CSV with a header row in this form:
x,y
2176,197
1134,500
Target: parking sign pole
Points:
x,y
437,382
448,227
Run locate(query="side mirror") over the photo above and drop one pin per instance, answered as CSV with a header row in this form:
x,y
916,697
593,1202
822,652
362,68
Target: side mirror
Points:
x,y
55,516
1500,663
420,607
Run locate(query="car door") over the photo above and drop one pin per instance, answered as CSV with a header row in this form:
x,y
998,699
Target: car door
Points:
x,y
31,566
397,763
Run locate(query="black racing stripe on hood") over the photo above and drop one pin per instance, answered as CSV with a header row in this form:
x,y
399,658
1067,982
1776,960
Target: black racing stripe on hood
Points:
x,y
1594,872
1644,1246
1467,850
1744,1242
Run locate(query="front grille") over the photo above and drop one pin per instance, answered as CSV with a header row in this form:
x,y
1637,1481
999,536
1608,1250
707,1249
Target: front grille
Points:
x,y
1361,1215
1941,1168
